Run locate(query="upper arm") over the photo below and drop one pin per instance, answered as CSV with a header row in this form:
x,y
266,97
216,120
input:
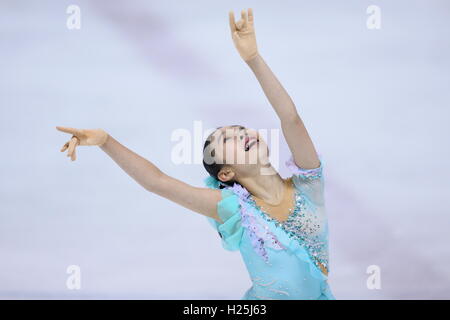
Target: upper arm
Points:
x,y
200,200
300,143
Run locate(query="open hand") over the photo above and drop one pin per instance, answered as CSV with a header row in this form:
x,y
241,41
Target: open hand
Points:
x,y
243,34
82,137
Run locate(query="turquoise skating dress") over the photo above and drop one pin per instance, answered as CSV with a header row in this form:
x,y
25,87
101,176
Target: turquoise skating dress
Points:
x,y
282,258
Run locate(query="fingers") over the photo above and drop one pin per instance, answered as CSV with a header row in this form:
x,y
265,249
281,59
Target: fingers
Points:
x,y
250,16
244,18
68,130
232,24
72,144
74,153
65,146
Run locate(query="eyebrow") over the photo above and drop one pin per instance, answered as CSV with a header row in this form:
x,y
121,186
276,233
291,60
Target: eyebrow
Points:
x,y
221,131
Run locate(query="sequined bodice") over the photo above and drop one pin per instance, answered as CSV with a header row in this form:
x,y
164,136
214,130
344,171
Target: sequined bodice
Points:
x,y
306,224
286,258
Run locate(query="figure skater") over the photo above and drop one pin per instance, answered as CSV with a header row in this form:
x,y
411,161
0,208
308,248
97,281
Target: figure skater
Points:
x,y
278,225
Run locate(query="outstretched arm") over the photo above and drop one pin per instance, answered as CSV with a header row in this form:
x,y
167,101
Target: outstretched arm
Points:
x,y
294,130
200,200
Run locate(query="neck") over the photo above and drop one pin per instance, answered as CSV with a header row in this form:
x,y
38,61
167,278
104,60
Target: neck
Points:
x,y
268,187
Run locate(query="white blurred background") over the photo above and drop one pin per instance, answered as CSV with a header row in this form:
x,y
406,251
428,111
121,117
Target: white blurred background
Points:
x,y
375,102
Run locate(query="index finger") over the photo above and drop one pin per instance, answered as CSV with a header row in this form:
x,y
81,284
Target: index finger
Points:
x,y
68,130
232,24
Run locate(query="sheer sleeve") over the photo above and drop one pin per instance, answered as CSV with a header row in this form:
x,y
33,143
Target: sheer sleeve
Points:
x,y
310,182
231,230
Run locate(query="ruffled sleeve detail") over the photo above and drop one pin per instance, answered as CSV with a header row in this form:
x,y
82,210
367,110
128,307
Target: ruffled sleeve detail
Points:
x,y
305,174
230,229
310,182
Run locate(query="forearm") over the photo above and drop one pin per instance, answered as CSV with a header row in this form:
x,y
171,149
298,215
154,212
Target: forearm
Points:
x,y
140,169
274,91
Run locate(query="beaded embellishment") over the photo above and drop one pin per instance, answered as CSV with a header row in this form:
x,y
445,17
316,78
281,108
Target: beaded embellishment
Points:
x,y
307,230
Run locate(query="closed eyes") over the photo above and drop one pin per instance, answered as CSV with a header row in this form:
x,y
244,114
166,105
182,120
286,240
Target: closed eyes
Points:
x,y
241,137
225,139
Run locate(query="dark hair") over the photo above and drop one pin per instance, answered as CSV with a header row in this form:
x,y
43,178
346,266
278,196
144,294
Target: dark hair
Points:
x,y
214,168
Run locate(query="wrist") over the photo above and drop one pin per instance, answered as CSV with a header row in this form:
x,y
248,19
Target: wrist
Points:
x,y
105,138
252,59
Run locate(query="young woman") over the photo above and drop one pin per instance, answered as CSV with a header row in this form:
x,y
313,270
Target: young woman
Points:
x,y
278,225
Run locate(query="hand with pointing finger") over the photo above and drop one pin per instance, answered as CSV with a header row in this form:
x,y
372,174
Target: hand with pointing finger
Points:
x,y
82,137
243,34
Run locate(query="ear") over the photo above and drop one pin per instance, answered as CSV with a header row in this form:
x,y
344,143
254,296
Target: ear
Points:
x,y
226,174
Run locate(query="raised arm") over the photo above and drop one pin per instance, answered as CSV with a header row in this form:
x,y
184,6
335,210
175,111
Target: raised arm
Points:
x,y
294,130
200,200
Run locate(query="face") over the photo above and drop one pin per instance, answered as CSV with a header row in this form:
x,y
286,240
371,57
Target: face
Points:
x,y
242,150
